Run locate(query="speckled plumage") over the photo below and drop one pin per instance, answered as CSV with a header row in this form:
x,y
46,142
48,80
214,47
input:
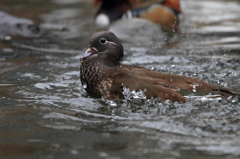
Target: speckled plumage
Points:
x,y
91,76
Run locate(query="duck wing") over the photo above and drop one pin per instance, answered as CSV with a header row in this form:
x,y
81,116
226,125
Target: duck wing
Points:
x,y
162,85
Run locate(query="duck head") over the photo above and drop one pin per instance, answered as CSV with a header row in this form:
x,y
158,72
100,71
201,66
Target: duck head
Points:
x,y
105,47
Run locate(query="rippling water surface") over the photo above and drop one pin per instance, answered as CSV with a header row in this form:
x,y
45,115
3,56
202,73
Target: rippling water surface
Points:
x,y
45,112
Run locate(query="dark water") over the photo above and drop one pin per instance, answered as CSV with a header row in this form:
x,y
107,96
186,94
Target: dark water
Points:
x,y
45,112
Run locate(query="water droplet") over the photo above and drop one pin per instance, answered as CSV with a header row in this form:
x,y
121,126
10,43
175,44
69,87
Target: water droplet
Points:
x,y
234,100
194,86
113,104
74,152
85,86
7,37
103,155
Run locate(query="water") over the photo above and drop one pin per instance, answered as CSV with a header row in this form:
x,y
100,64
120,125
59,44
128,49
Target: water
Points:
x,y
45,112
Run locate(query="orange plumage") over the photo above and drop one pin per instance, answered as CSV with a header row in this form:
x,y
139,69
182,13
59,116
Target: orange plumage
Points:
x,y
174,4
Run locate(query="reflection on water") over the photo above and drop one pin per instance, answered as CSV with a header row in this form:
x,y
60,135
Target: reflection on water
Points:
x,y
45,112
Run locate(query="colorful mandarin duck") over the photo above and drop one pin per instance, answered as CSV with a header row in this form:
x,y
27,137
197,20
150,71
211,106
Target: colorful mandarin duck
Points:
x,y
162,12
103,75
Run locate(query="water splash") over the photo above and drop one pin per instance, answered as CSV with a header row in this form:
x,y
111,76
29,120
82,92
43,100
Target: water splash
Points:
x,y
85,86
194,86
133,95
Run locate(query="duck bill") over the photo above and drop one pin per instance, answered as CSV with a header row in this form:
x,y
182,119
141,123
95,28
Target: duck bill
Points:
x,y
89,52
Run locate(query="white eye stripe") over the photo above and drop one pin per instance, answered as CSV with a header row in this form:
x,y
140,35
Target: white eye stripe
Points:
x,y
103,41
112,43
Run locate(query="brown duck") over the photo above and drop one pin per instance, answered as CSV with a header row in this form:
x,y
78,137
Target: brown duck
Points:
x,y
103,75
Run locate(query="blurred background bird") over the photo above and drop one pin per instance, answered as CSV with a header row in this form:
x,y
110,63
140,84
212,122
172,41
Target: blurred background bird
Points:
x,y
165,13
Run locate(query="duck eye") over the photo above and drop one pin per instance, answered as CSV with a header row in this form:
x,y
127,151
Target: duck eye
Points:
x,y
103,41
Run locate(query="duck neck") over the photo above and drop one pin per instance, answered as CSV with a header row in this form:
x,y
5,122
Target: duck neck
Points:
x,y
100,63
